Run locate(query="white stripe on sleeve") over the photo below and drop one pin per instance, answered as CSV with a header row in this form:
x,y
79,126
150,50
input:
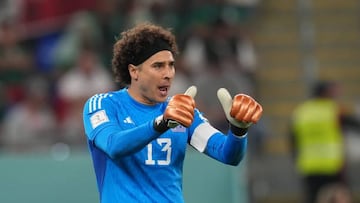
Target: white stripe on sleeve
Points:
x,y
95,102
201,135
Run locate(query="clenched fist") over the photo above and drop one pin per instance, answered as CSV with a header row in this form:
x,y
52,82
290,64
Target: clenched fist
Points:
x,y
242,111
245,109
180,110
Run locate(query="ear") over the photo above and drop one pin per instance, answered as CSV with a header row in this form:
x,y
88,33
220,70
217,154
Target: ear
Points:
x,y
133,71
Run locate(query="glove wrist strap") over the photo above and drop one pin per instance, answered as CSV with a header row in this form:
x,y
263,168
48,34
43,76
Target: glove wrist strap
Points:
x,y
238,131
160,124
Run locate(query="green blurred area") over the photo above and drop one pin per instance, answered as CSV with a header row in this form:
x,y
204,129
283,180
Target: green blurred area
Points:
x,y
41,178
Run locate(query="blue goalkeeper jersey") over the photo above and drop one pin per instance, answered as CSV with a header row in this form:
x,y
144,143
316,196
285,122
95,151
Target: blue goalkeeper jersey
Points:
x,y
135,163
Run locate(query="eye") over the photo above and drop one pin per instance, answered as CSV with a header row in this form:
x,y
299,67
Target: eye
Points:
x,y
172,64
157,65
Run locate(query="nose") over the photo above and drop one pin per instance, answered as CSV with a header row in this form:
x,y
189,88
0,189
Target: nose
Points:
x,y
169,72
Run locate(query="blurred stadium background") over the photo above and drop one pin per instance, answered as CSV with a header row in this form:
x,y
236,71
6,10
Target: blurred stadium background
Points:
x,y
56,53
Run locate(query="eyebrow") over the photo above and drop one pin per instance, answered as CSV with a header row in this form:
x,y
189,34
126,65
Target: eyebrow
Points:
x,y
163,62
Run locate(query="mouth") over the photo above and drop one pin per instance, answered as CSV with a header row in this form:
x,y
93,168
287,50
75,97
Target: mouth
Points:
x,y
164,90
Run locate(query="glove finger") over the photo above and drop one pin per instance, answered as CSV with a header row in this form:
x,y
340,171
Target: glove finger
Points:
x,y
248,116
185,118
240,106
182,100
236,105
248,109
257,114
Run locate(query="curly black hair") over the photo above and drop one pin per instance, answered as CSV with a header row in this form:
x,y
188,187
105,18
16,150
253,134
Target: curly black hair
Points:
x,y
133,42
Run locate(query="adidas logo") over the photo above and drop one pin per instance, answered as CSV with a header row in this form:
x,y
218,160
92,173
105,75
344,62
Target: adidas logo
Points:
x,y
128,120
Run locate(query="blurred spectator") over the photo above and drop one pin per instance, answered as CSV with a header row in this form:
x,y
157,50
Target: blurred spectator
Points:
x,y
9,9
156,11
2,104
194,50
85,79
110,23
335,193
317,139
98,26
82,29
30,125
161,12
221,45
15,63
40,17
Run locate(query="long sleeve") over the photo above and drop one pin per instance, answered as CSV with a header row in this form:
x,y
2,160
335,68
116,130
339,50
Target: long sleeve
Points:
x,y
116,139
117,142
228,149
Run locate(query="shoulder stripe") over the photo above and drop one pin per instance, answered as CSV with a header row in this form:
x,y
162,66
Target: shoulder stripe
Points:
x,y
95,102
91,102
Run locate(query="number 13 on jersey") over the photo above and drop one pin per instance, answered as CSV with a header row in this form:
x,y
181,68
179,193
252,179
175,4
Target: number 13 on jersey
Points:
x,y
166,148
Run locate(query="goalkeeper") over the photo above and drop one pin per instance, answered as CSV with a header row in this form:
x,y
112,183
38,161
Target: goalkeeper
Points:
x,y
137,136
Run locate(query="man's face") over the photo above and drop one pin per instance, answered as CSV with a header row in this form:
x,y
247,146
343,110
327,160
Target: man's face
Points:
x,y
152,79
